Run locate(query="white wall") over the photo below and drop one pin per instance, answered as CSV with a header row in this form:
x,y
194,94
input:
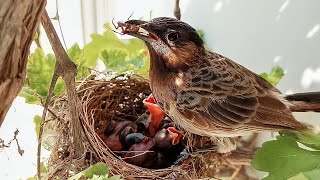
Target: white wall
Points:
x,y
259,34
255,33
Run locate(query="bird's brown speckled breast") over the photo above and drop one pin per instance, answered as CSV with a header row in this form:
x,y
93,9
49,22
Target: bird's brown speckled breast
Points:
x,y
161,80
164,91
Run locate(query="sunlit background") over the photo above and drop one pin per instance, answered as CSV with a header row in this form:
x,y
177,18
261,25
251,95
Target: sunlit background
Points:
x,y
255,33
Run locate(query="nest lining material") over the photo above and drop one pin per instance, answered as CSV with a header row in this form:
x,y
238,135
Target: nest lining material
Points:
x,y
119,99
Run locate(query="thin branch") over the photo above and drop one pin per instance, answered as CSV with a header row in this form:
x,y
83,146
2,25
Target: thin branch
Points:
x,y
3,145
37,40
43,103
44,114
177,11
68,71
54,115
21,151
57,17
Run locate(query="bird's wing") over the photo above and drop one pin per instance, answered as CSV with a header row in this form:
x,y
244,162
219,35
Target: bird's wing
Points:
x,y
229,95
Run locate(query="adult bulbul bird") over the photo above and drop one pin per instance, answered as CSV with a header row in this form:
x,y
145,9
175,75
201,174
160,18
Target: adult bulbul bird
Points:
x,y
204,92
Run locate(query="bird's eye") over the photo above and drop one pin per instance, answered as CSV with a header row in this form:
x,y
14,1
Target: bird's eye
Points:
x,y
173,36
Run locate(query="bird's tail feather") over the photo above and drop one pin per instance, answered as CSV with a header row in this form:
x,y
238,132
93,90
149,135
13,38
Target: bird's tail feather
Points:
x,y
302,102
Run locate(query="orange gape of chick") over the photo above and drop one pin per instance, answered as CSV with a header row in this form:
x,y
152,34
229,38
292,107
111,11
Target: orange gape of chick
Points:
x,y
161,128
156,115
204,92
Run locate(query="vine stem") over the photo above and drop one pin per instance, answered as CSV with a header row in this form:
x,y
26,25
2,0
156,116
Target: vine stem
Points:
x,y
44,113
68,71
177,11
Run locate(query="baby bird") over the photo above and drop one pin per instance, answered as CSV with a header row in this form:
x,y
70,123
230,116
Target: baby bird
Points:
x,y
167,137
116,131
156,115
141,151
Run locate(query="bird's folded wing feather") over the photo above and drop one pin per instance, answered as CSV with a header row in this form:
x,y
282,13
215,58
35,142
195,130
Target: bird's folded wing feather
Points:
x,y
228,95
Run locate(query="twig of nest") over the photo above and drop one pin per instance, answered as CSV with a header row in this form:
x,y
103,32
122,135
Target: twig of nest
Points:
x,y
119,131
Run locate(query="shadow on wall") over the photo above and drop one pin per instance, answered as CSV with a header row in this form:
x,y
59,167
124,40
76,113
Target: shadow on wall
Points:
x,y
259,34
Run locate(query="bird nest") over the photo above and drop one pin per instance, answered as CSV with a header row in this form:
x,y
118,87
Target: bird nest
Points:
x,y
121,99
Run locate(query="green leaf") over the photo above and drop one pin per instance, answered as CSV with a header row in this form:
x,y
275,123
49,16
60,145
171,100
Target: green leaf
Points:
x,y
277,71
118,55
109,41
312,175
99,169
43,168
96,177
283,158
37,122
40,69
201,33
36,36
29,94
144,70
121,60
274,76
39,74
115,59
308,138
299,176
76,54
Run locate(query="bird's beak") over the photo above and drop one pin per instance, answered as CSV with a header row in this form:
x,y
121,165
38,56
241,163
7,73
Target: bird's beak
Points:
x,y
139,29
174,135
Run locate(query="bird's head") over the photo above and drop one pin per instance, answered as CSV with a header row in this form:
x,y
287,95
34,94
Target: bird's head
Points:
x,y
176,42
167,137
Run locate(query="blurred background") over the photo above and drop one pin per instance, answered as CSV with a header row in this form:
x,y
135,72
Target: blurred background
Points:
x,y
254,33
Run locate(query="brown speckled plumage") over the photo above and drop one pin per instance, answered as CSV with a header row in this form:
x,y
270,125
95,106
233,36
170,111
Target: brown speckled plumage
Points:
x,y
204,92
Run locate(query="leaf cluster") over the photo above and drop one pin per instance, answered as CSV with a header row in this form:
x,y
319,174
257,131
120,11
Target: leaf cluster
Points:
x,y
117,55
284,159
